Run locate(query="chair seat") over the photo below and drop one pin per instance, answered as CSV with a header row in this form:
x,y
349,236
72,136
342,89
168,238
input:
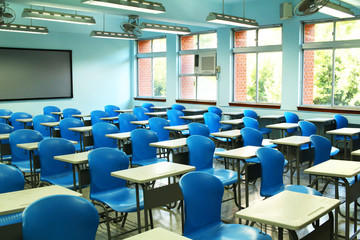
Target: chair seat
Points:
x,y
149,161
185,132
225,127
24,166
334,151
65,180
228,231
87,148
342,138
265,130
222,139
302,189
10,219
121,200
219,150
227,177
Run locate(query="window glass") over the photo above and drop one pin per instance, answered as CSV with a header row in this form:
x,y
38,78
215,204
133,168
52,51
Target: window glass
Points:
x,y
347,30
187,64
159,45
144,77
207,41
270,36
206,88
320,32
188,88
189,42
245,38
159,76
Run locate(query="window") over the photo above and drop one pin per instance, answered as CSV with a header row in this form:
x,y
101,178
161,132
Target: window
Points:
x,y
331,60
151,66
196,86
258,65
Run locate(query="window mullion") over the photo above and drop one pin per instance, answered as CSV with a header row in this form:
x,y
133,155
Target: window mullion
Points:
x,y
257,78
333,78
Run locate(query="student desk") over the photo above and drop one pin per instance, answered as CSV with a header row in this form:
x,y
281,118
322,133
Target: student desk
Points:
x,y
84,141
341,170
233,122
233,115
322,124
158,234
230,136
293,211
13,202
7,119
292,142
273,117
154,197
353,153
124,111
194,111
25,121
156,114
60,114
252,171
160,108
82,118
170,146
109,119
346,132
4,148
193,118
51,126
177,129
79,162
283,127
141,123
123,141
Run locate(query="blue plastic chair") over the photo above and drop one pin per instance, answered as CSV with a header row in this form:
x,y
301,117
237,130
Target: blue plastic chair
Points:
x,y
37,120
54,171
65,133
110,110
157,125
203,194
142,153
139,112
5,128
291,118
19,115
96,115
308,129
11,180
272,164
250,113
99,130
342,122
148,106
106,190
218,112
201,152
20,157
68,112
178,107
322,147
212,121
253,137
253,123
4,112
174,117
60,217
124,122
48,111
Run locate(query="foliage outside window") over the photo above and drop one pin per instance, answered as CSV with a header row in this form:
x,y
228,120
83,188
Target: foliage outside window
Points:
x,y
331,55
196,86
151,66
258,65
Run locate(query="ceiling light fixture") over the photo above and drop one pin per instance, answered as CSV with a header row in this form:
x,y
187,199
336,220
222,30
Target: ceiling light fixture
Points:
x,y
154,27
57,16
222,18
336,10
132,5
23,29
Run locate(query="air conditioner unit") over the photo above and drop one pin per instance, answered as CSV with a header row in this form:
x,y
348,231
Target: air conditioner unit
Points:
x,y
205,63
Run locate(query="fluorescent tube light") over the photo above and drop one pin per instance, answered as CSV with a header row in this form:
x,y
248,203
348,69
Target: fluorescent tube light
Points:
x,y
113,35
336,10
23,29
231,20
132,5
57,16
153,27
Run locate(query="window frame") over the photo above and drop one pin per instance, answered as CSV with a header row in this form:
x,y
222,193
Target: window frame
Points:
x,y
255,49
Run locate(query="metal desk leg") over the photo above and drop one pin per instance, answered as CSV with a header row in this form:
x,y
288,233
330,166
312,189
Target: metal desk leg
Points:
x,y
239,183
337,210
74,177
138,206
281,235
298,164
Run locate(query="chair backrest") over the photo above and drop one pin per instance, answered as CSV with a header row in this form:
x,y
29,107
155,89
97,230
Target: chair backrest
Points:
x,y
201,151
251,137
96,115
22,136
157,125
67,123
102,162
18,115
174,117
203,195
341,121
196,128
250,122
148,106
215,110
140,140
68,112
291,117
38,119
250,113
139,112
307,128
49,148
99,130
178,107
124,122
48,111
322,147
110,110
272,165
4,112
5,128
212,121
11,179
60,217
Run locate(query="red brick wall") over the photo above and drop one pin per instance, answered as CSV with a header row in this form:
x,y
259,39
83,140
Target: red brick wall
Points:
x,y
189,42
240,68
144,77
144,46
187,67
308,91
